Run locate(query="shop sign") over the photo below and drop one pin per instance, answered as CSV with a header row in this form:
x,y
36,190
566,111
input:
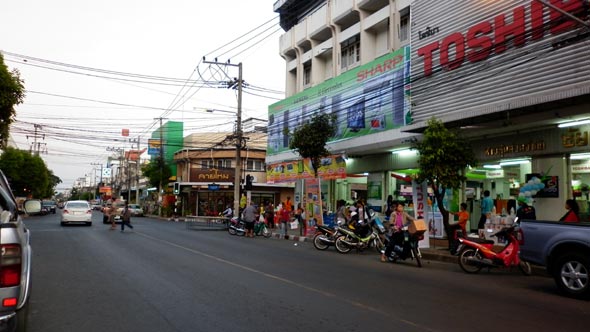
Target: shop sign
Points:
x,y
212,175
581,168
574,137
503,150
495,174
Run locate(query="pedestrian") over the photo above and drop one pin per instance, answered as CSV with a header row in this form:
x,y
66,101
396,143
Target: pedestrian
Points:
x,y
269,215
285,216
126,218
389,207
525,211
463,215
288,205
398,220
300,219
486,209
112,212
573,211
105,214
249,214
341,215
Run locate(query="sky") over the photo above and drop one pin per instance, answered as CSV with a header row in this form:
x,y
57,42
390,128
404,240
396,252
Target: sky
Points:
x,y
93,68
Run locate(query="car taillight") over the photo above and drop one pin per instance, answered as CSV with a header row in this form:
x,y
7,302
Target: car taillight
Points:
x,y
66,211
10,265
89,212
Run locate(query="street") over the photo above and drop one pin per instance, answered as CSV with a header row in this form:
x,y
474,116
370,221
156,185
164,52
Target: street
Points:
x,y
162,277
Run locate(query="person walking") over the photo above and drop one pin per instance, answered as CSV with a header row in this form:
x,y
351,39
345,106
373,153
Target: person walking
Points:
x,y
249,219
126,218
486,209
112,211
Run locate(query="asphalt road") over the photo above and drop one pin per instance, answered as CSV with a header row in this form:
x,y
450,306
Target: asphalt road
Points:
x,y
163,277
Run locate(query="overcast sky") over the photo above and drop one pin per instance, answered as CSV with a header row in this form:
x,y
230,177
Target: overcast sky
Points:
x,y
76,56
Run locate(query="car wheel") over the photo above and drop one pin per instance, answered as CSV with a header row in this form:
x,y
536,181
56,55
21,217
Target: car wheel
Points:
x,y
572,275
89,223
63,223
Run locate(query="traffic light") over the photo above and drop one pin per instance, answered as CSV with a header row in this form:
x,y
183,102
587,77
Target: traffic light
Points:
x,y
249,179
176,188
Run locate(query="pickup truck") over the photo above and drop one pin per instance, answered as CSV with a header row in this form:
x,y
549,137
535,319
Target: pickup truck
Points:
x,y
15,259
564,249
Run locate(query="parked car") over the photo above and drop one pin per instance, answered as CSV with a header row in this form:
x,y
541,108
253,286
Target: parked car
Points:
x,y
76,212
136,210
50,206
564,249
15,262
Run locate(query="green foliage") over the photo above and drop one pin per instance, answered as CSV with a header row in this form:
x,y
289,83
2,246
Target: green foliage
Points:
x,y
28,174
156,171
444,156
309,140
12,92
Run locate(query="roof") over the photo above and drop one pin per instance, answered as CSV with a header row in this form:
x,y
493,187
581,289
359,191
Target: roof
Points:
x,y
255,140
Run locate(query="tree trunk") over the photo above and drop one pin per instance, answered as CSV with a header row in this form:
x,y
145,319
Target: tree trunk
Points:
x,y
440,195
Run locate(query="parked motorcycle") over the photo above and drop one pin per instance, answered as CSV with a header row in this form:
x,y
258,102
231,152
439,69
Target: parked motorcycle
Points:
x,y
409,248
325,237
260,228
236,227
366,237
475,254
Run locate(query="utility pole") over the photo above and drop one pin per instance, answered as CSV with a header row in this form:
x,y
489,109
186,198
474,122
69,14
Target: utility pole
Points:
x,y
36,146
137,168
160,196
100,182
238,132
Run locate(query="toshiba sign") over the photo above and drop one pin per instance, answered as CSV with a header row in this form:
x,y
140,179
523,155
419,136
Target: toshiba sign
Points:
x,y
473,57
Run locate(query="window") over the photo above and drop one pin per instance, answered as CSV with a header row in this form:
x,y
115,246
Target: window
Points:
x,y
404,25
350,52
255,165
307,74
207,163
223,163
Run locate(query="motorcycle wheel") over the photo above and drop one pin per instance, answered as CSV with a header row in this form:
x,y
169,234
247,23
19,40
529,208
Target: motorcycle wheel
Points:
x,y
241,231
231,230
266,232
416,253
464,261
342,247
318,243
525,268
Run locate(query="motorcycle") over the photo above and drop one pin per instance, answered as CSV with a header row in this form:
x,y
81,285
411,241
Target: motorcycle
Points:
x,y
260,228
475,254
366,237
236,227
409,248
325,237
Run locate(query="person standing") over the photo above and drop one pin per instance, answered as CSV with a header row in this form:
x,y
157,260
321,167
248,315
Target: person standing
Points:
x,y
573,211
525,211
300,219
269,215
126,218
486,209
249,219
112,211
285,216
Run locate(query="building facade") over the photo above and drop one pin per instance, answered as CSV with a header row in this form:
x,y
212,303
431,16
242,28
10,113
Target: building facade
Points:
x,y
506,73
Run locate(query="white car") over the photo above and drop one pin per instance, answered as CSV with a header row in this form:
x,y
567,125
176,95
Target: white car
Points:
x,y
76,212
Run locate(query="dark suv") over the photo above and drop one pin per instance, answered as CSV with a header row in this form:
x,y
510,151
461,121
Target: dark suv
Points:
x,y
50,206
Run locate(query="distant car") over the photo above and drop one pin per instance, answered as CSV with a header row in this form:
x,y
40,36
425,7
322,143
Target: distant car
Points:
x,y
136,210
60,205
76,212
96,207
50,206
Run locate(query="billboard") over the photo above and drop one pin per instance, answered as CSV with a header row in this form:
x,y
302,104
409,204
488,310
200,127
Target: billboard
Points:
x,y
333,167
153,147
368,99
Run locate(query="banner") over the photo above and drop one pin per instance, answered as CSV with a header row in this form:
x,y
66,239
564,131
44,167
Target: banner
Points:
x,y
153,147
312,201
333,167
420,200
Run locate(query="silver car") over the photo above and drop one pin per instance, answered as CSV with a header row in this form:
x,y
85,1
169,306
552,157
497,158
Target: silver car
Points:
x,y
76,212
136,210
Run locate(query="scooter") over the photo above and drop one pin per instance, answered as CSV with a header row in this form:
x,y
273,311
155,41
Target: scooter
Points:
x,y
236,227
409,248
475,254
367,238
325,237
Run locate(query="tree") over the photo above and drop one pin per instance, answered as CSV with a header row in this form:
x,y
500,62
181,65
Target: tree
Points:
x,y
443,157
157,172
12,92
28,174
309,140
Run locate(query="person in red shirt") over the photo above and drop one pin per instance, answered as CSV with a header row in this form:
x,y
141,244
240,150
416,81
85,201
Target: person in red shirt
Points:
x,y
573,211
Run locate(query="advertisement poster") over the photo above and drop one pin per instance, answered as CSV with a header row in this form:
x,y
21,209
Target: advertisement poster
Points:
x,y
551,188
313,202
420,201
367,99
333,167
153,147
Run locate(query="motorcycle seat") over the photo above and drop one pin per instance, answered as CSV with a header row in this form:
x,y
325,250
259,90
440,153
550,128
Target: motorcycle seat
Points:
x,y
478,240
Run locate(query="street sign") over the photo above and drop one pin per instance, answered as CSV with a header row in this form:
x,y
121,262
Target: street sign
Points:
x,y
213,187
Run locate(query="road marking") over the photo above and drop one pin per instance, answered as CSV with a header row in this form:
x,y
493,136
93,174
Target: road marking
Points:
x,y
290,282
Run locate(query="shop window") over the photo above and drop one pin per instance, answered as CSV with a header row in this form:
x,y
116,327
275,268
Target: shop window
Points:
x,y
223,163
207,163
404,25
255,165
307,74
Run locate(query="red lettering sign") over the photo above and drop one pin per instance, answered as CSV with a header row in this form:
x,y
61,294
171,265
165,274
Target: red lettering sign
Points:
x,y
497,35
